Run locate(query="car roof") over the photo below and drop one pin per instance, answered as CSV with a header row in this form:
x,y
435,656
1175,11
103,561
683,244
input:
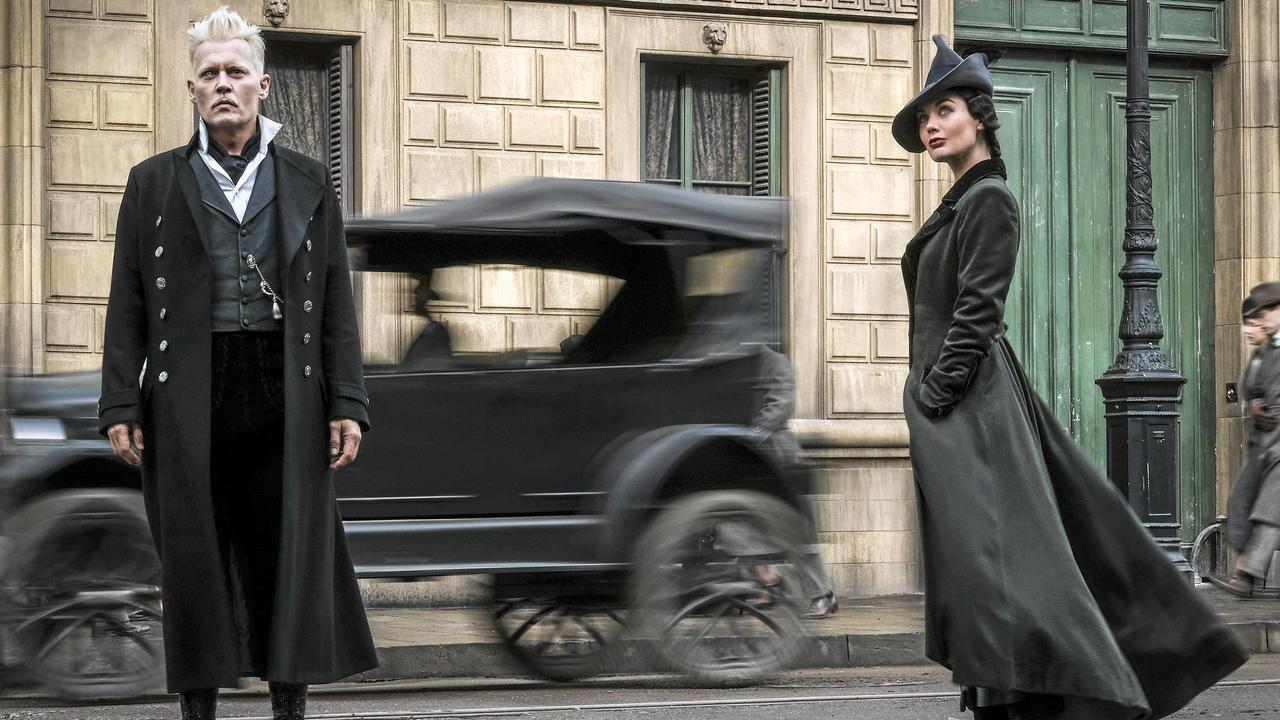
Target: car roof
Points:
x,y
632,212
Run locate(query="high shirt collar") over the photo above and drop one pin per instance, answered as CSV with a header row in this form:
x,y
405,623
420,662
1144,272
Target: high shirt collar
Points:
x,y
268,127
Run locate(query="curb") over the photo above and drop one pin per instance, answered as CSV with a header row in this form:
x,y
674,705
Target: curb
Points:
x,y
415,662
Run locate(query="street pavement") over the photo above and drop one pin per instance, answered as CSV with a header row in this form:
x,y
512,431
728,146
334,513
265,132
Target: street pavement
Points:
x,y
915,692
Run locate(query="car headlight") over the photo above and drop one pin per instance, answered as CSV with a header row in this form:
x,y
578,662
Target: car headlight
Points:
x,y
36,429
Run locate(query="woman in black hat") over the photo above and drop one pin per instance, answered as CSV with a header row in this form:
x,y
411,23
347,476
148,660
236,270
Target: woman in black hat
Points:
x,y
1044,595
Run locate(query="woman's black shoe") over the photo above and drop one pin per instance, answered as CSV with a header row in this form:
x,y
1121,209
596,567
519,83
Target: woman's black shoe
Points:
x,y
199,704
288,700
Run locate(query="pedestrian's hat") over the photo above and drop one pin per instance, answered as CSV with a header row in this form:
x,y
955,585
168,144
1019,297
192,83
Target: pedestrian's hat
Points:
x,y
1248,308
1263,295
949,71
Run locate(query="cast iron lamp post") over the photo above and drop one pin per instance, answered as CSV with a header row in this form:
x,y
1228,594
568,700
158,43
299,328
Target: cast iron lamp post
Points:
x,y
1142,390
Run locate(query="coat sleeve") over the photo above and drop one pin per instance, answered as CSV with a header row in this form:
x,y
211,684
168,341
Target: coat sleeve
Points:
x,y
344,369
777,384
125,337
987,253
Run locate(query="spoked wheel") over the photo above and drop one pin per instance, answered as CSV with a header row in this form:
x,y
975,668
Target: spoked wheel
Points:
x,y
717,586
560,639
82,595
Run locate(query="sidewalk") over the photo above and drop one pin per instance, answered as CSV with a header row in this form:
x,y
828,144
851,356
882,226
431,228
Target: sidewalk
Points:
x,y
431,642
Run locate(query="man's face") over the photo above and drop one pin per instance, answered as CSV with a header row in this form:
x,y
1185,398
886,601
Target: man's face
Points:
x,y
1269,319
1253,332
225,86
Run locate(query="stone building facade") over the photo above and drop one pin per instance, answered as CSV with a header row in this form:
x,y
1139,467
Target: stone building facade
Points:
x,y
453,97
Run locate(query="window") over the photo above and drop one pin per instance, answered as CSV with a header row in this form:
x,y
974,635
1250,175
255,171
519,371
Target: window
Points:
x,y
717,128
312,94
713,129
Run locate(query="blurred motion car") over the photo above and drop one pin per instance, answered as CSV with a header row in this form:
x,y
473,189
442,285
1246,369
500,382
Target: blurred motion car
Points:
x,y
79,577
610,480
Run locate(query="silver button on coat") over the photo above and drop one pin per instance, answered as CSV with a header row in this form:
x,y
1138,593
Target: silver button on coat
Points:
x,y
306,371
158,220
306,306
159,251
308,277
306,338
160,283
308,244
163,376
164,345
163,313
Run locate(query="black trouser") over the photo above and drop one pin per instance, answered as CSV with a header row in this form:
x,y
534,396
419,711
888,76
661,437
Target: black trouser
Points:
x,y
246,464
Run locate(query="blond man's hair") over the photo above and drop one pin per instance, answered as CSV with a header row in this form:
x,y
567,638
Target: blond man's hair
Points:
x,y
226,24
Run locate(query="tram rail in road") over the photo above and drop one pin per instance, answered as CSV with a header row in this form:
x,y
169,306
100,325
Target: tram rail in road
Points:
x,y
674,704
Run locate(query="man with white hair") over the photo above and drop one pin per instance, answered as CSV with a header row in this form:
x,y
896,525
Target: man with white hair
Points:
x,y
232,374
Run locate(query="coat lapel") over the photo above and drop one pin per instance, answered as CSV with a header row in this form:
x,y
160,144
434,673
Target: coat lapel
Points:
x,y
297,197
190,188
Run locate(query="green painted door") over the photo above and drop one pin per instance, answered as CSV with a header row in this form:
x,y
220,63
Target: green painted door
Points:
x,y
1063,137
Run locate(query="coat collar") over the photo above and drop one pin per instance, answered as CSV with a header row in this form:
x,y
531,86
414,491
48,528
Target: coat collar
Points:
x,y
983,169
298,194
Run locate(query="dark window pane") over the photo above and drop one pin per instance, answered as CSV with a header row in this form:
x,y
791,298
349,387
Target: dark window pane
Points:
x,y
299,96
721,127
662,125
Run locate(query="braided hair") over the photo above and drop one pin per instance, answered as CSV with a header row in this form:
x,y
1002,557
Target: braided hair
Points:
x,y
983,108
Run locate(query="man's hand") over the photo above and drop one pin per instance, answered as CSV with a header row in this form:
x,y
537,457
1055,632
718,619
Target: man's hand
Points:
x,y
344,443
1262,417
120,434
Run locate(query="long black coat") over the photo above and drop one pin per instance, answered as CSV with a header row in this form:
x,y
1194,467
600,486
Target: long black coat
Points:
x,y
319,632
1038,577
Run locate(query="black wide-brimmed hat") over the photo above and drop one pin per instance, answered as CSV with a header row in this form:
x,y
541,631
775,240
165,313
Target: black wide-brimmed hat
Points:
x,y
1262,296
949,71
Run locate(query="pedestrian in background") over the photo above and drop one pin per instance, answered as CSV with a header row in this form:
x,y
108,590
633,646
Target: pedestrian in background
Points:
x,y
777,404
1044,595
1253,510
230,294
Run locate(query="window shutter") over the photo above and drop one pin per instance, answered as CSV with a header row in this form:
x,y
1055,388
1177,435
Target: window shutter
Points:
x,y
339,130
761,132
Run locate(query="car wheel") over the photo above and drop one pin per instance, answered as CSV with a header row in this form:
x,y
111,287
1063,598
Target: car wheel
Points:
x,y
716,586
81,595
560,639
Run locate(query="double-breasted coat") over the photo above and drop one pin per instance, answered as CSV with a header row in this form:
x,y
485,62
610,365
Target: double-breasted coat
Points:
x,y
158,317
1038,576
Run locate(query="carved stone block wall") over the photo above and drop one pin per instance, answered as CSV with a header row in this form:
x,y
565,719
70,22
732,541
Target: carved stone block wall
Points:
x,y
869,213
494,92
1246,127
99,106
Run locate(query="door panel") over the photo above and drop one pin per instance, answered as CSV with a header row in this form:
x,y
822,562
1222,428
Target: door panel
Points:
x,y
1063,138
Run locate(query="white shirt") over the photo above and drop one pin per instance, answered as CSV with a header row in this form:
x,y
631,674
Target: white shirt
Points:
x,y
238,193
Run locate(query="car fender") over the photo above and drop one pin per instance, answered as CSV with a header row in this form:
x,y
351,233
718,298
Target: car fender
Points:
x,y
25,474
632,477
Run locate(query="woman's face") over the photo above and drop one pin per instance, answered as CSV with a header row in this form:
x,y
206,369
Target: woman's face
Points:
x,y
947,130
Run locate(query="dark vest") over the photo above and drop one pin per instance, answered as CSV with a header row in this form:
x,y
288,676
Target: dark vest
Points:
x,y
238,301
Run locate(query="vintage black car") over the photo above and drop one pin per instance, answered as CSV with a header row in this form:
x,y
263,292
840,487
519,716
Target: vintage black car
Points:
x,y
612,483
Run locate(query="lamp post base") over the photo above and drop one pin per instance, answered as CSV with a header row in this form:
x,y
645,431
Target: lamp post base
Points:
x,y
1142,447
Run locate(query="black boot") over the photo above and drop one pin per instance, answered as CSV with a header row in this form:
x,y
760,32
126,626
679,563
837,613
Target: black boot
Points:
x,y
288,700
199,704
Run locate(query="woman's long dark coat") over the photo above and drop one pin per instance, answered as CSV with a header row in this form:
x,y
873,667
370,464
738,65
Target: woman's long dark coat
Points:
x,y
1038,577
318,632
